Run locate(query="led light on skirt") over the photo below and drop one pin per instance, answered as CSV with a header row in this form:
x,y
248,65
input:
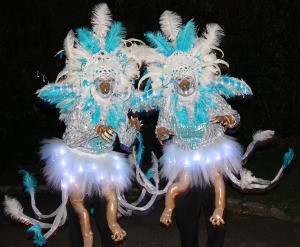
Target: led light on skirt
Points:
x,y
69,168
200,164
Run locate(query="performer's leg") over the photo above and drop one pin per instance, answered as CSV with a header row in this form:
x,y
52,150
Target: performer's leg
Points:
x,y
112,213
187,214
174,190
216,234
77,202
75,236
99,205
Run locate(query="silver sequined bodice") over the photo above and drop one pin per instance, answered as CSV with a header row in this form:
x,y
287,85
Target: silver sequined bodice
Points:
x,y
80,133
195,136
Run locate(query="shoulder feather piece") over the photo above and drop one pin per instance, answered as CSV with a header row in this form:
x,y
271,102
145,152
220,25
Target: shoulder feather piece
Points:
x,y
186,37
230,87
170,23
101,20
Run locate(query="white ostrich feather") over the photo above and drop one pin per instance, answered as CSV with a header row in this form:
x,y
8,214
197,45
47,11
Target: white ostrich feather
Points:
x,y
146,54
132,70
170,23
210,39
208,75
61,75
69,44
80,52
154,168
197,46
263,135
70,79
12,208
101,20
131,53
246,178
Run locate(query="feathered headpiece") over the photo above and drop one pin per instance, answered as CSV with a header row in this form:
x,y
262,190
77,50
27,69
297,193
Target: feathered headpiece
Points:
x,y
182,52
99,52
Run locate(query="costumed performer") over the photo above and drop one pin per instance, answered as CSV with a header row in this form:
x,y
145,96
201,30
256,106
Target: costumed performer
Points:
x,y
194,116
91,92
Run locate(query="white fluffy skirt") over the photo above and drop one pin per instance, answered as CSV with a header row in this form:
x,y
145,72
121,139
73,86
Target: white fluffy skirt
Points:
x,y
201,164
82,172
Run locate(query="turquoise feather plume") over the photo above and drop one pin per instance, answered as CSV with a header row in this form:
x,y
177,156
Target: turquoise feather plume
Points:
x,y
181,113
149,174
28,181
287,159
148,85
56,94
96,115
65,108
87,40
38,237
205,92
88,103
160,42
200,113
92,211
140,149
186,37
115,36
114,117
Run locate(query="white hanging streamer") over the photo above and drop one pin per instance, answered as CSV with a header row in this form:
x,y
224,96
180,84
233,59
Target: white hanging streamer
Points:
x,y
247,181
126,208
14,209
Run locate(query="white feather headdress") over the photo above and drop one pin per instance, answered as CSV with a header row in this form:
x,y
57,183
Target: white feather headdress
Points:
x,y
180,51
100,52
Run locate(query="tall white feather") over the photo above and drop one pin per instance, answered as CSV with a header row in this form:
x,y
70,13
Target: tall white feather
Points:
x,y
12,207
170,23
210,39
101,20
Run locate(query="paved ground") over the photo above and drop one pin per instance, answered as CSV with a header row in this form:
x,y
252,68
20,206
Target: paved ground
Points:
x,y
243,230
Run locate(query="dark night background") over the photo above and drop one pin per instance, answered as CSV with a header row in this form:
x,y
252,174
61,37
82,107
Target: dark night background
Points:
x,y
261,46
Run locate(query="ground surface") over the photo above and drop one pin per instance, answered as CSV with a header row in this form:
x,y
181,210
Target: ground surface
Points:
x,y
243,230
